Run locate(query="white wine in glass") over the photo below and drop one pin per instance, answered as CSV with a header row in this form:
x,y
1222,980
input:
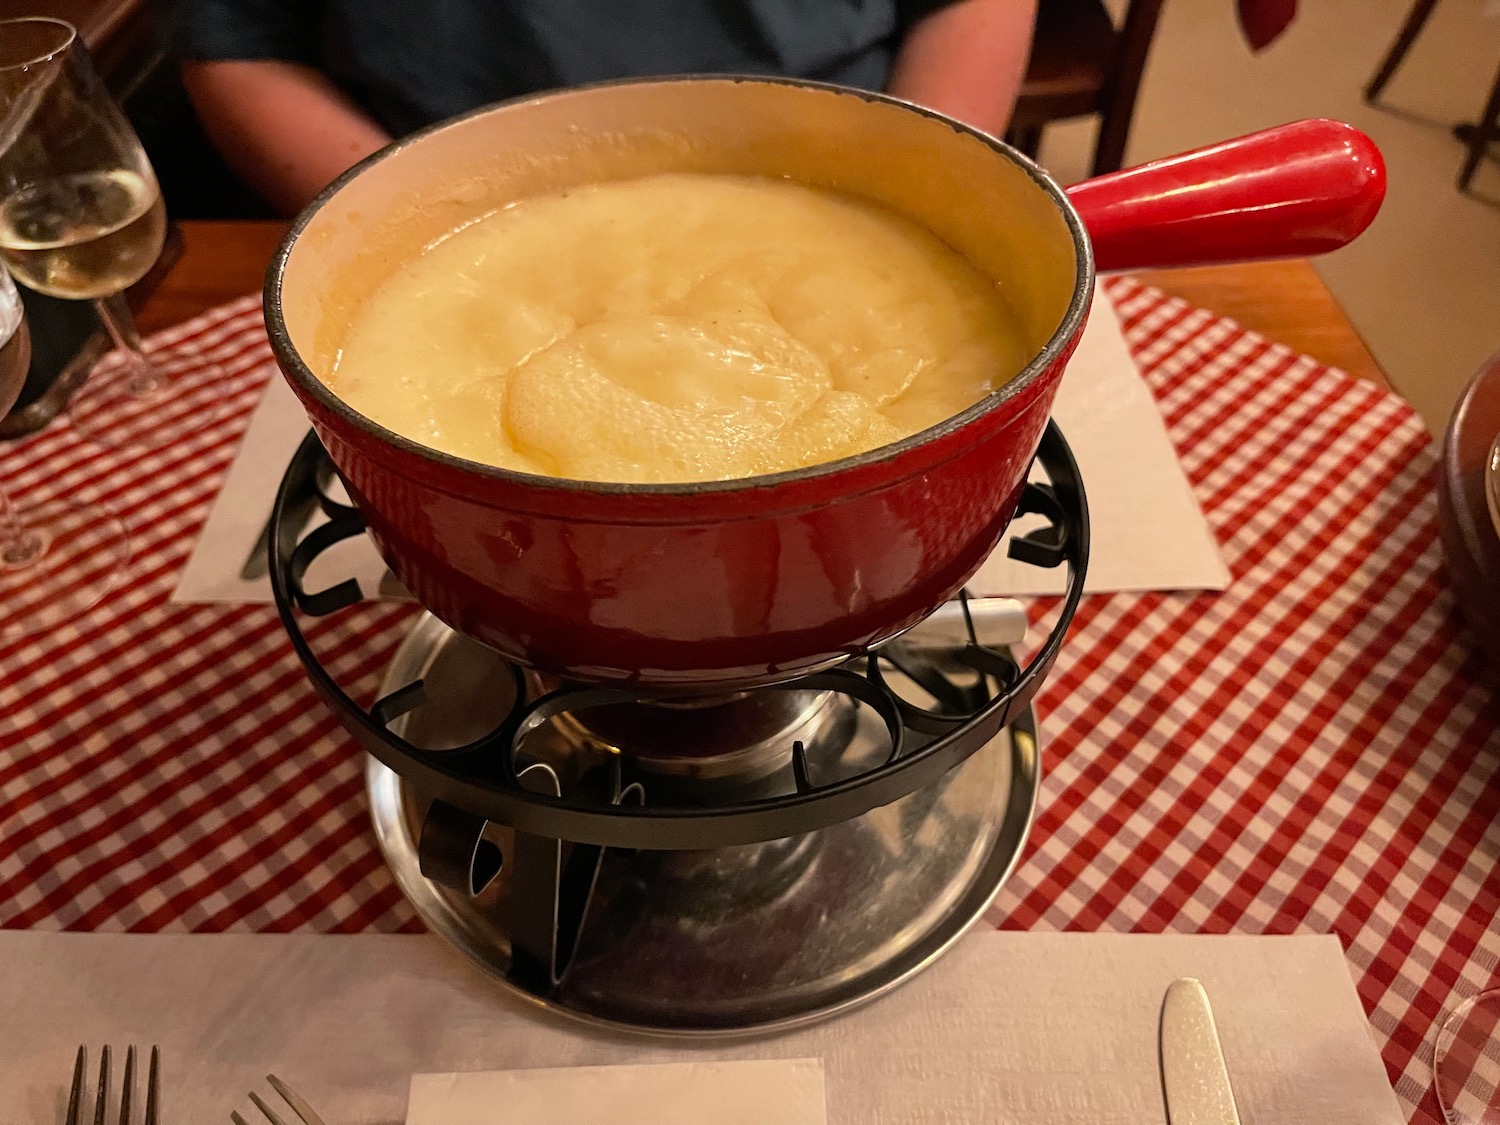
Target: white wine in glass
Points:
x,y
58,557
81,216
87,235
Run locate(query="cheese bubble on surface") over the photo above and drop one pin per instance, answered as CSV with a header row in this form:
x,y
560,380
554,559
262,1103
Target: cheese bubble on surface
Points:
x,y
680,327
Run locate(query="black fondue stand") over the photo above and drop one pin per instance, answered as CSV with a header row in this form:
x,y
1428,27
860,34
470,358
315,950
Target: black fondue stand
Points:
x,y
559,787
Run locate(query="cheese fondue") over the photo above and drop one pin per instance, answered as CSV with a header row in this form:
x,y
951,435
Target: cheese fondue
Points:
x,y
679,327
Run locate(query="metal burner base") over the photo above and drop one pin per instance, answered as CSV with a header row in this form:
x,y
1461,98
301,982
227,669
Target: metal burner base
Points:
x,y
737,940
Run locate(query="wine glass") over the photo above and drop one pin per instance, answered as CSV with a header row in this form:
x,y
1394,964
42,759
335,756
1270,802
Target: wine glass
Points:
x,y
1466,1061
1492,484
58,557
81,216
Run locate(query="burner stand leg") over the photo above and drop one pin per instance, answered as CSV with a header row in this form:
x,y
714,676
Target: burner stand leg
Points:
x,y
551,885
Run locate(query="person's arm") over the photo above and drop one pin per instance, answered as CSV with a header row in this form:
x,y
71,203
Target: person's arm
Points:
x,y
967,60
283,126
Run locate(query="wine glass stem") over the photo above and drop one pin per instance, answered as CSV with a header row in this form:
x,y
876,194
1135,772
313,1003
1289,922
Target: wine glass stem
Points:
x,y
144,379
18,546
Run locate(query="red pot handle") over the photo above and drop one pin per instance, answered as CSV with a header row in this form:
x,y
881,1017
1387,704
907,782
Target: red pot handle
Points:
x,y
1295,190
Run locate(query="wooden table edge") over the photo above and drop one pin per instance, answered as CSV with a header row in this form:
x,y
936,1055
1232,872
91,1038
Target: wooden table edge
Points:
x,y
1286,301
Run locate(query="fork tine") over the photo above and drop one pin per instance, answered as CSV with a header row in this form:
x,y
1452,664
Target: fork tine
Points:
x,y
128,1087
75,1099
153,1087
236,1118
294,1100
260,1104
103,1094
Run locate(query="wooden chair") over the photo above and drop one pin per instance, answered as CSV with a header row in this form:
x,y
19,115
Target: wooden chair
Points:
x,y
1477,137
1082,64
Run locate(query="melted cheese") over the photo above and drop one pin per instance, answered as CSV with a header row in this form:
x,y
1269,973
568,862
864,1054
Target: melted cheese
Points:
x,y
679,327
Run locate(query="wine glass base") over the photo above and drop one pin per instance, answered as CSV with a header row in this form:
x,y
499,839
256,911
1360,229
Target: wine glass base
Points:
x,y
118,409
1466,1061
84,551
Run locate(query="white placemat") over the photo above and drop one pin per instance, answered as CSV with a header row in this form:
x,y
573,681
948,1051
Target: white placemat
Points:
x,y
1147,528
1030,1028
748,1092
1148,531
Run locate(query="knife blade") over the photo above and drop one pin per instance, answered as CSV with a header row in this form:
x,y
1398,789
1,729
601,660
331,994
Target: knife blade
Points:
x,y
1194,1079
258,561
300,514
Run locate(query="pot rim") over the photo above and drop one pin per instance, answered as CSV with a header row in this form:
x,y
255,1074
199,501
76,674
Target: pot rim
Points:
x,y
292,364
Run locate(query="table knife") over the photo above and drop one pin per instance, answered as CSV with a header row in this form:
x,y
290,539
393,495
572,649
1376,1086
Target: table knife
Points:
x,y
258,562
300,513
1194,1079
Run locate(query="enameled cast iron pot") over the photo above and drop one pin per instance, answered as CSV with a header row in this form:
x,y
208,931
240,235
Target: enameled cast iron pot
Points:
x,y
702,588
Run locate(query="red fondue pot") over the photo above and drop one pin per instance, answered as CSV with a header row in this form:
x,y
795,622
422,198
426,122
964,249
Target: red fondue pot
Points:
x,y
708,587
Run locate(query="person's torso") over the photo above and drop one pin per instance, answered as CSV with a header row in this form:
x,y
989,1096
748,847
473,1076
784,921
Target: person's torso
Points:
x,y
411,65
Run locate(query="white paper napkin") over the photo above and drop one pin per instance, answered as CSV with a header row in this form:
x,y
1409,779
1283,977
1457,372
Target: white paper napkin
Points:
x,y
234,524
751,1092
1148,531
1007,1028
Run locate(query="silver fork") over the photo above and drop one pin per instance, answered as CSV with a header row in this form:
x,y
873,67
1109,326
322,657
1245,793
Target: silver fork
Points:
x,y
288,1095
77,1098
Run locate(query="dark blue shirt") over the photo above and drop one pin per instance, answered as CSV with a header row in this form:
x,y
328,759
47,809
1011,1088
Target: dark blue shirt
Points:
x,y
409,64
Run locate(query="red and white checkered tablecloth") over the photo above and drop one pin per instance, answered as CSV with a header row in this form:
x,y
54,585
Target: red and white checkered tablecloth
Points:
x,y
1311,751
